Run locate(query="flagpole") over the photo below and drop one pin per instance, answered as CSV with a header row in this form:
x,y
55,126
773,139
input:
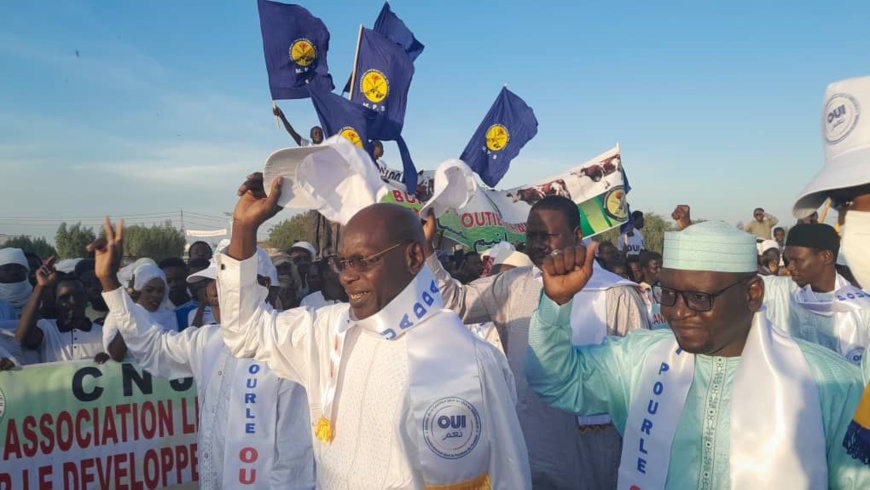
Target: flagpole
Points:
x,y
277,123
825,210
355,60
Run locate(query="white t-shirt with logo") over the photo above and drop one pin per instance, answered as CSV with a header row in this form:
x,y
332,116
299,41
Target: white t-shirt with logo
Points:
x,y
632,245
69,346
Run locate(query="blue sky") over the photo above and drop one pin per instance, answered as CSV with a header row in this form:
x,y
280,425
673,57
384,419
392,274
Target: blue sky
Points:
x,y
141,109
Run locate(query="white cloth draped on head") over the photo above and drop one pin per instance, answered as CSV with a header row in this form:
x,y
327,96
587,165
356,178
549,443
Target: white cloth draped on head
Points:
x,y
125,275
13,256
15,293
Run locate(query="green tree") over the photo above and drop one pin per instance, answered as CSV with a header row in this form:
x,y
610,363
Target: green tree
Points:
x,y
38,245
300,227
654,228
72,240
157,242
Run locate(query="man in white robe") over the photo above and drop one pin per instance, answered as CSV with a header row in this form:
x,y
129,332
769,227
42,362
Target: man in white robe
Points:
x,y
242,403
402,394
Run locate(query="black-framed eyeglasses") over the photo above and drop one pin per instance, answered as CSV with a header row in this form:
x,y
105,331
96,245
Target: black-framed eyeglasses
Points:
x,y
360,264
694,300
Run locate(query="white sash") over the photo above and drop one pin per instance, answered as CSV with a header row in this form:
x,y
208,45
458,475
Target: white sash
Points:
x,y
846,308
252,422
656,405
776,440
589,320
444,383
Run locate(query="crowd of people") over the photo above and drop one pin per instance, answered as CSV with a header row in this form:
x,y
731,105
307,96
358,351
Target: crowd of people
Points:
x,y
733,358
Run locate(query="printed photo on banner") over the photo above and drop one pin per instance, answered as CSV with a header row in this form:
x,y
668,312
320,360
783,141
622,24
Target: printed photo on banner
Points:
x,y
491,216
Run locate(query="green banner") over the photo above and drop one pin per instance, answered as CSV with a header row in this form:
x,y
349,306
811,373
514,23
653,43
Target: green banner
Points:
x,y
79,425
491,216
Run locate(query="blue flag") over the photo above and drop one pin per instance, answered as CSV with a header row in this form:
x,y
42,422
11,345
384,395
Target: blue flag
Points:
x,y
382,77
391,26
340,116
294,45
507,127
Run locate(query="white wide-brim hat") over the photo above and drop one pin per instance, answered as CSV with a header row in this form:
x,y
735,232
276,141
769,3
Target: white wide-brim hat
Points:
x,y
846,135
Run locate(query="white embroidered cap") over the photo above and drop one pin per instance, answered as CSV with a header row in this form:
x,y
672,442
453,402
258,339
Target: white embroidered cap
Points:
x,y
710,246
846,134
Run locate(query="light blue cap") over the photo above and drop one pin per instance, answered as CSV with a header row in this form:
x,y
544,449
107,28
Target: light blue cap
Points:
x,y
710,246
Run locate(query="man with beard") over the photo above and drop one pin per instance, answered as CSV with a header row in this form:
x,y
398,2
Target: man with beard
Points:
x,y
564,452
722,400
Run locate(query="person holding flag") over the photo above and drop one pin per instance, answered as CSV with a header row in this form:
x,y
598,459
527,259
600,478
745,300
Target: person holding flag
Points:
x,y
380,82
507,127
339,116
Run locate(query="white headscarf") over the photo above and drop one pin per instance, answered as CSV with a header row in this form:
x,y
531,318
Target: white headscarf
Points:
x,y
165,315
125,275
16,293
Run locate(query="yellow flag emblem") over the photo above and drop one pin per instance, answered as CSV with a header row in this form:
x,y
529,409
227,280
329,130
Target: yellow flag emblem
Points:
x,y
374,86
302,52
351,135
497,137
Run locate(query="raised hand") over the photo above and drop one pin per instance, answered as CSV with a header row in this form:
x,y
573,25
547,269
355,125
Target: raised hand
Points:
x,y
566,272
682,215
46,275
430,229
277,111
108,252
254,206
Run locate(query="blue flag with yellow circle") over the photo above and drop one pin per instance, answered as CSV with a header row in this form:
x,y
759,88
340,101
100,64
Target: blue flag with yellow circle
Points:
x,y
507,127
340,116
295,44
382,77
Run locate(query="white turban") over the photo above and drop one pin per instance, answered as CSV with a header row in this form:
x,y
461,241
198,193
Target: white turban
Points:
x,y
13,256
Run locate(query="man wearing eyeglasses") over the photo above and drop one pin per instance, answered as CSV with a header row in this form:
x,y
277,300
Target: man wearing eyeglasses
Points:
x,y
565,453
401,394
723,399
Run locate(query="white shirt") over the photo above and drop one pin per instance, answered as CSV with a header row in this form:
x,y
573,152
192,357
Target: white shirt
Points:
x,y
631,245
163,318
68,346
174,355
316,300
376,433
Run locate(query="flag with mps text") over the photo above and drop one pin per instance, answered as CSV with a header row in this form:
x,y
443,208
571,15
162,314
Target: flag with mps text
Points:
x,y
507,127
295,44
382,77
